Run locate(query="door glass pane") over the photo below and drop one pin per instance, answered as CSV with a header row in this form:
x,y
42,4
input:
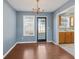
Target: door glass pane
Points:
x,y
41,25
41,28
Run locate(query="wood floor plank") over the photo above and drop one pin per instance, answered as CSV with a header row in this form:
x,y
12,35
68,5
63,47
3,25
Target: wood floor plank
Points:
x,y
38,51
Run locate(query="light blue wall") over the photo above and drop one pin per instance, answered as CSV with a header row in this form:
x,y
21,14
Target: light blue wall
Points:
x,y
9,27
55,26
19,27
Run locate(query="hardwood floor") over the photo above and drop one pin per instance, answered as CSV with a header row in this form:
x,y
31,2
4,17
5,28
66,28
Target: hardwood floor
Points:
x,y
38,51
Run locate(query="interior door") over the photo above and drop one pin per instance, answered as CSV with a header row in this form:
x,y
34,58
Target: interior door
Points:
x,y
41,28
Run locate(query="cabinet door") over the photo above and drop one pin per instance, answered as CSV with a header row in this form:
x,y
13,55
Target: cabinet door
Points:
x,y
61,37
69,37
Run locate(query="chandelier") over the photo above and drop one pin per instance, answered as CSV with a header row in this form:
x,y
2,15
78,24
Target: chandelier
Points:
x,y
38,9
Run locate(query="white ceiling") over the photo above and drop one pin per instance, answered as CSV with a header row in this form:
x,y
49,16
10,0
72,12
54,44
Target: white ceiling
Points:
x,y
27,5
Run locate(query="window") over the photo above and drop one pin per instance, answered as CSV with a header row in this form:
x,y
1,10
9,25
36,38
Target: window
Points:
x,y
28,25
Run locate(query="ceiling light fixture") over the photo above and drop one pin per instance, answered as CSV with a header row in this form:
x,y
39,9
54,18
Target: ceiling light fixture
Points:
x,y
38,9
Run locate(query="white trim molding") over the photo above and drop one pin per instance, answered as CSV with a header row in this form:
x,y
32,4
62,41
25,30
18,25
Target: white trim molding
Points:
x,y
56,43
26,42
9,50
49,40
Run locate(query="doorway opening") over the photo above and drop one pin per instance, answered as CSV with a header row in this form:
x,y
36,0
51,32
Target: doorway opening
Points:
x,y
41,29
66,27
66,30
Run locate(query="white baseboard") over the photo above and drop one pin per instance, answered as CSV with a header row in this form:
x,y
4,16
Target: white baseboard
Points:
x,y
54,43
26,42
9,50
49,41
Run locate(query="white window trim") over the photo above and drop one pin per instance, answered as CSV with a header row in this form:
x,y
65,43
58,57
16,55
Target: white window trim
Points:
x,y
33,26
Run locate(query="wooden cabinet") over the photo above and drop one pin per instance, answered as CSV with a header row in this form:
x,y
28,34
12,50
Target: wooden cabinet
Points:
x,y
66,37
